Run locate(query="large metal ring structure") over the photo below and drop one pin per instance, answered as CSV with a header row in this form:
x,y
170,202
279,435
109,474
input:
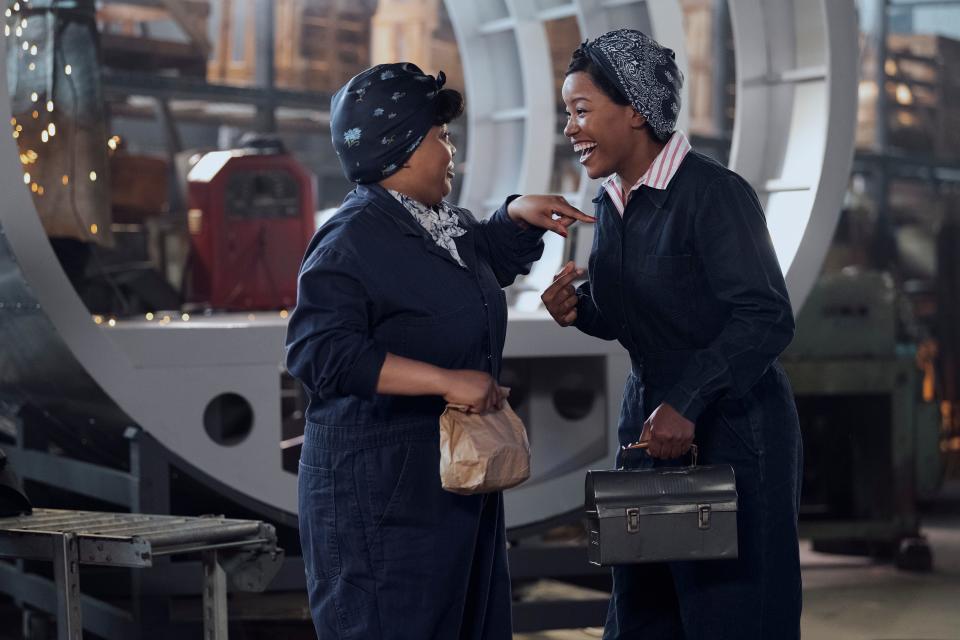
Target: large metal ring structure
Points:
x,y
796,78
796,83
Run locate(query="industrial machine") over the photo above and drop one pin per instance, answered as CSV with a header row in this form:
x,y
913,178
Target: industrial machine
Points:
x,y
140,412
251,215
871,443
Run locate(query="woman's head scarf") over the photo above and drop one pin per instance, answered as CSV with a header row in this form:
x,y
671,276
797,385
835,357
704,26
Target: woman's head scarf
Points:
x,y
379,118
645,72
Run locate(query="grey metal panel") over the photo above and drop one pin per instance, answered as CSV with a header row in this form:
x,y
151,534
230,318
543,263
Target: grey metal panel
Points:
x,y
116,487
33,358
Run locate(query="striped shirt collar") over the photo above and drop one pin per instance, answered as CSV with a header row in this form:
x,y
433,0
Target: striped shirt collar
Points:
x,y
657,176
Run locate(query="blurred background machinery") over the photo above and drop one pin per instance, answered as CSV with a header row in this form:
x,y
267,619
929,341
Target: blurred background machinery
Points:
x,y
871,438
250,217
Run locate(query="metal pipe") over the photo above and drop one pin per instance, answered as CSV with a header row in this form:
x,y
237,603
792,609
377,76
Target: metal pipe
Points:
x,y
265,74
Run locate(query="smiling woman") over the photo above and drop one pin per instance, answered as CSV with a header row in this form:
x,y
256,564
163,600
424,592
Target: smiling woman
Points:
x,y
684,275
400,309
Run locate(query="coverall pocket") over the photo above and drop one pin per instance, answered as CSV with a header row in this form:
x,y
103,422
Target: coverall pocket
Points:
x,y
386,472
318,522
443,340
667,281
735,414
668,266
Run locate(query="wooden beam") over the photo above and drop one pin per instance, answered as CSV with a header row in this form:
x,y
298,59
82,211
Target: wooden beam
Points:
x,y
186,19
133,13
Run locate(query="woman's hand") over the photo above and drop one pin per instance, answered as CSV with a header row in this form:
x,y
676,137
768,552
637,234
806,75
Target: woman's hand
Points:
x,y
669,434
560,298
475,389
546,212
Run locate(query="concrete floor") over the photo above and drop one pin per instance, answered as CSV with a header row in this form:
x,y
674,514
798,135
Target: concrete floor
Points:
x,y
851,598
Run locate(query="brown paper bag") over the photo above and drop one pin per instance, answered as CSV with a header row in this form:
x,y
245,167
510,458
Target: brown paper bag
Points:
x,y
482,453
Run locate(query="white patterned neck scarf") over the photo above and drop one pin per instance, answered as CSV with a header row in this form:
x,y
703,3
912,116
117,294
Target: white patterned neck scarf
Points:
x,y
441,222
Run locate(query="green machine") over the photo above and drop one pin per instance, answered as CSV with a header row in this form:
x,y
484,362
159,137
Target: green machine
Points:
x,y
871,443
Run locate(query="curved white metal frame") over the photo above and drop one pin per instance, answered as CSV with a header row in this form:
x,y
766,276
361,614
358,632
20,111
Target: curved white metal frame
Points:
x,y
793,140
796,67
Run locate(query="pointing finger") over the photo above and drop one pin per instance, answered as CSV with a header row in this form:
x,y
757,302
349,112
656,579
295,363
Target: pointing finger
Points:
x,y
567,210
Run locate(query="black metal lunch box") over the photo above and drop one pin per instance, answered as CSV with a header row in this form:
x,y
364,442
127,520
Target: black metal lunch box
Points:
x,y
656,515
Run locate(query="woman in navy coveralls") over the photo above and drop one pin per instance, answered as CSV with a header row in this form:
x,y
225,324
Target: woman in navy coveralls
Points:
x,y
684,275
400,310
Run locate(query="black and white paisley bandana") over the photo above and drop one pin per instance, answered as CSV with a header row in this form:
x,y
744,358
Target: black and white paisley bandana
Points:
x,y
380,117
441,222
645,72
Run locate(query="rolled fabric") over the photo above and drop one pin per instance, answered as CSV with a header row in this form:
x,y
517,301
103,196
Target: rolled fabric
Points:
x,y
380,117
644,71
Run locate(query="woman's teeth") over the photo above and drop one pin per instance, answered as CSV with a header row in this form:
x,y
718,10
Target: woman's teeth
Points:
x,y
585,149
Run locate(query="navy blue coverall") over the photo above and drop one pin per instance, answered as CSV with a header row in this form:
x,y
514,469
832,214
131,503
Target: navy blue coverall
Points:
x,y
388,552
688,281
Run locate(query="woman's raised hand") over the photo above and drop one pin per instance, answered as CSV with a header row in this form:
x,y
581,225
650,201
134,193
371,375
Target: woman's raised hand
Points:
x,y
560,298
546,212
475,389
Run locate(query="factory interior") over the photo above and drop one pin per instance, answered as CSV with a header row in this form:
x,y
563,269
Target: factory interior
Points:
x,y
170,160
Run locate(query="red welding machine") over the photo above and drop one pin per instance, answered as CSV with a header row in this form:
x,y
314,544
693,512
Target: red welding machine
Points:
x,y
251,215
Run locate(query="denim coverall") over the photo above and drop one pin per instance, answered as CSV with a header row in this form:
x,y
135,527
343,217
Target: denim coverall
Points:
x,y
388,553
689,283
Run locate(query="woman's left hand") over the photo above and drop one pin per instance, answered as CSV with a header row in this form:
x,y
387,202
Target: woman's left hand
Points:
x,y
546,212
669,434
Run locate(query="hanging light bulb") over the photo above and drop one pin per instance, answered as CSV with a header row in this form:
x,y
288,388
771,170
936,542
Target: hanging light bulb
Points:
x,y
49,105
52,129
34,97
26,178
44,136
68,69
93,176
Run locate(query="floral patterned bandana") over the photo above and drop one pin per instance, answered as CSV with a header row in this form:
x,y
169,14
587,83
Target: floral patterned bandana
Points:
x,y
645,72
441,222
379,118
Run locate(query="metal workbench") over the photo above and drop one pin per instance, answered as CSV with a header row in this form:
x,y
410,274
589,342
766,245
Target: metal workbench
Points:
x,y
69,539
